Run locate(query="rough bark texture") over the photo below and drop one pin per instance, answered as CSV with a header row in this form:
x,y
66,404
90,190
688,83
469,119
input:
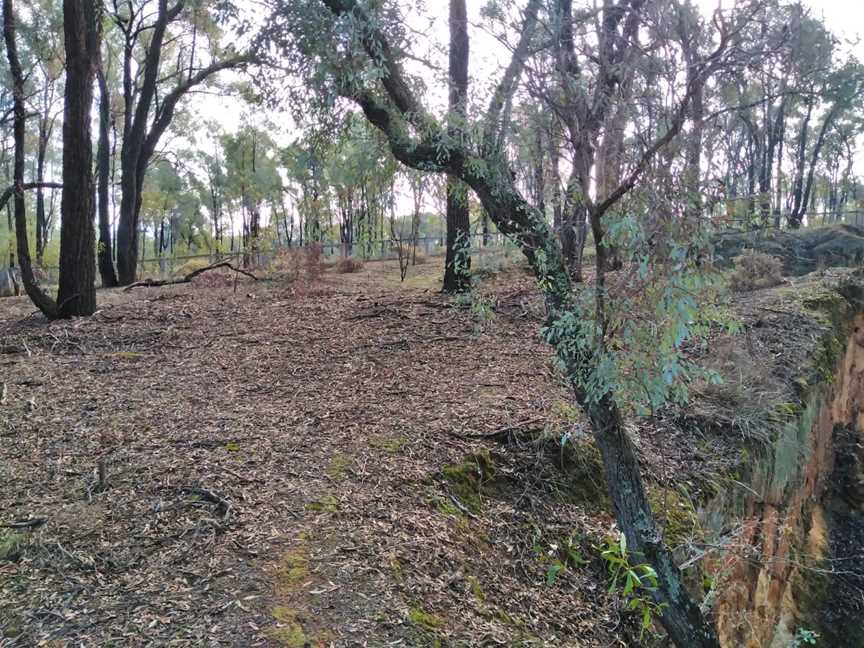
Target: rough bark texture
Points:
x,y
77,292
42,301
103,163
457,264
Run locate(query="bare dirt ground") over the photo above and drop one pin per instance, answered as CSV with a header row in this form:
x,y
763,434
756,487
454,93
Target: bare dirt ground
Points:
x,y
292,465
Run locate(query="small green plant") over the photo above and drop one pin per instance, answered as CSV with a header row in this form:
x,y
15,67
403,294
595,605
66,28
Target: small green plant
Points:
x,y
634,583
755,270
803,637
563,555
480,307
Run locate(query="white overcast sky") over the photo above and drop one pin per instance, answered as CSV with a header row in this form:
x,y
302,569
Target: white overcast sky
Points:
x,y
844,17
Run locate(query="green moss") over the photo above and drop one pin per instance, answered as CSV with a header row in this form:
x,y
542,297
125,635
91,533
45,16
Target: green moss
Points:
x,y
12,629
423,619
469,480
11,545
389,445
445,507
289,632
584,468
675,513
396,569
566,410
326,504
339,466
293,569
476,588
827,356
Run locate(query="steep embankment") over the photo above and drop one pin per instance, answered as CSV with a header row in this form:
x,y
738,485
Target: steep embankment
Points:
x,y
784,539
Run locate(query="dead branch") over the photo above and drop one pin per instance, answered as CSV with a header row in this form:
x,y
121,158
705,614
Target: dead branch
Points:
x,y
152,283
32,523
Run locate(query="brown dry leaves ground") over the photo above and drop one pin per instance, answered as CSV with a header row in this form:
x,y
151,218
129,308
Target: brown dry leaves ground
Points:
x,y
276,463
274,468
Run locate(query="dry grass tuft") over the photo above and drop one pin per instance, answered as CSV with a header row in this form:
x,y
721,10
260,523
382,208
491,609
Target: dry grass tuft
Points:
x,y
349,265
755,270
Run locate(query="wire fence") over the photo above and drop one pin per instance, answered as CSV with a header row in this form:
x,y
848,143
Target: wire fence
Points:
x,y
164,267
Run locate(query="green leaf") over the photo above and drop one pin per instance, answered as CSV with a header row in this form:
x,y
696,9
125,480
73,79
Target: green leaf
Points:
x,y
552,572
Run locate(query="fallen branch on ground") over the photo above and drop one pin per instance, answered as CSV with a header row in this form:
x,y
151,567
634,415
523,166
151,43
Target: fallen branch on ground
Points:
x,y
151,283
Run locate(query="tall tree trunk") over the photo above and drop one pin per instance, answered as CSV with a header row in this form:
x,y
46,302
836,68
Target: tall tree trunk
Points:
x,y
457,264
41,151
796,215
77,293
103,163
42,301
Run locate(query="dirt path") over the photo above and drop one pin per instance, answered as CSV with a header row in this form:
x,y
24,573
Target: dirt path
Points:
x,y
290,467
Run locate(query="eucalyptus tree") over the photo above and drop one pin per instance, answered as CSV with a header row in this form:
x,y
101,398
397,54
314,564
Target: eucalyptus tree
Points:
x,y
82,33
44,36
167,51
457,262
842,91
251,177
356,50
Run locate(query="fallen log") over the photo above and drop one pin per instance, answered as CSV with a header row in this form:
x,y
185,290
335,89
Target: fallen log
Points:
x,y
152,283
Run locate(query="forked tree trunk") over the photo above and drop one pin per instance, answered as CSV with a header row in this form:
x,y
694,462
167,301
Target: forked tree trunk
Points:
x,y
77,292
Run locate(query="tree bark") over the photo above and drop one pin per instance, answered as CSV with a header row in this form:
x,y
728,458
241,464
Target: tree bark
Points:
x,y
457,263
41,299
45,128
103,163
77,292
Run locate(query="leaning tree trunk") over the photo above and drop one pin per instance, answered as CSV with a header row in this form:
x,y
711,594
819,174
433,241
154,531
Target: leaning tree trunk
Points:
x,y
103,163
457,264
42,301
77,292
495,186
682,618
